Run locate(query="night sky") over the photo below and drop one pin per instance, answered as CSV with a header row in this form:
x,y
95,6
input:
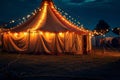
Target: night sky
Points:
x,y
87,12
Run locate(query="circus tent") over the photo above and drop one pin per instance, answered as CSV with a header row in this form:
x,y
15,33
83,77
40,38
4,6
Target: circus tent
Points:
x,y
47,32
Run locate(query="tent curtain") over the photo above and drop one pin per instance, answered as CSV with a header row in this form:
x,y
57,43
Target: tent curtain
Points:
x,y
50,43
0,40
13,43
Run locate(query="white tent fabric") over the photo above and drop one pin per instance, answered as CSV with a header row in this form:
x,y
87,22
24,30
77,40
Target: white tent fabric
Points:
x,y
47,32
50,43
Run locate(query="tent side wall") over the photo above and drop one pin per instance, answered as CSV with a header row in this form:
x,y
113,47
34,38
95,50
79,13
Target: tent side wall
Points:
x,y
89,43
44,42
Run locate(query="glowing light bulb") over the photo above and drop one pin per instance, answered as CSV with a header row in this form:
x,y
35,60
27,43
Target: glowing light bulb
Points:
x,y
46,4
12,21
23,18
25,33
41,33
16,34
9,32
61,34
28,16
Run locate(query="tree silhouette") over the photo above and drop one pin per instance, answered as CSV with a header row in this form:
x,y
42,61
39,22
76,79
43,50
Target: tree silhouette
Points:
x,y
101,28
116,30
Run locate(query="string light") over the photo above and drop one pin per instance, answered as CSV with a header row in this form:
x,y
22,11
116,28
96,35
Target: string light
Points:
x,y
15,34
13,21
66,13
41,33
66,16
25,33
28,16
33,13
23,18
71,21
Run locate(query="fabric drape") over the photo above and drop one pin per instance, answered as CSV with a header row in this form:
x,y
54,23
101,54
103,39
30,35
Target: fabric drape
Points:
x,y
50,43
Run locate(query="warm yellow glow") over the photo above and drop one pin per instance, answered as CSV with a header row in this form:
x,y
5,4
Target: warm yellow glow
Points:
x,y
25,33
67,32
52,7
41,33
21,34
41,17
63,19
15,34
9,32
33,33
45,3
47,34
52,34
61,34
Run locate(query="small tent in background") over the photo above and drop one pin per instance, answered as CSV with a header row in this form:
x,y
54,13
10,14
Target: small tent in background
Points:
x,y
47,31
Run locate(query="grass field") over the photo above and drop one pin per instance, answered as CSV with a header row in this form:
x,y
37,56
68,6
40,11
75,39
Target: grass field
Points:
x,y
67,67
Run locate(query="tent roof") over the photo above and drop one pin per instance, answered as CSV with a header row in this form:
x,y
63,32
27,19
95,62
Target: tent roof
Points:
x,y
48,19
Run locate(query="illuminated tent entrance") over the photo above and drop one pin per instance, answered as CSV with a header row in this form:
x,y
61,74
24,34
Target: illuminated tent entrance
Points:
x,y
47,32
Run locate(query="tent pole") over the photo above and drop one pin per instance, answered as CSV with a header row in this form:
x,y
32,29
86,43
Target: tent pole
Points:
x,y
2,41
64,41
28,41
55,44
